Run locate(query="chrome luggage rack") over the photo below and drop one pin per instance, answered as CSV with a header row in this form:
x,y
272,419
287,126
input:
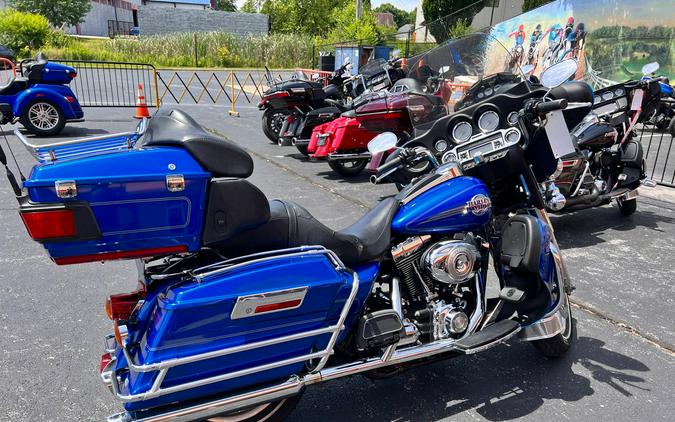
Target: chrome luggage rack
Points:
x,y
79,148
220,268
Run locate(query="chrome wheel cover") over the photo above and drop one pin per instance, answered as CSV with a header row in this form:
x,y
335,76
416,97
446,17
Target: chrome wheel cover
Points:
x,y
43,116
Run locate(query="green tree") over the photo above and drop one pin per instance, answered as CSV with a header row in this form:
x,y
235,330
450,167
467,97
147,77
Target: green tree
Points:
x,y
23,32
401,17
59,12
312,17
226,5
441,16
347,28
533,4
251,6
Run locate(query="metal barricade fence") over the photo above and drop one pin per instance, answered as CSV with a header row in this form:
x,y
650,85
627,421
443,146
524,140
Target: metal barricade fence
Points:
x,y
659,154
112,84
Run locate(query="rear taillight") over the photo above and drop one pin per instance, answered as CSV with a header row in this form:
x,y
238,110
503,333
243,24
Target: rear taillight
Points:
x,y
121,306
50,224
73,75
70,99
112,256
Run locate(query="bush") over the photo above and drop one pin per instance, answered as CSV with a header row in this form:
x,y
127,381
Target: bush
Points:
x,y
214,49
23,32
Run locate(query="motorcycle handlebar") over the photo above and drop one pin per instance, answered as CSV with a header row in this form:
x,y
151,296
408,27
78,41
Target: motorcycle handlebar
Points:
x,y
548,106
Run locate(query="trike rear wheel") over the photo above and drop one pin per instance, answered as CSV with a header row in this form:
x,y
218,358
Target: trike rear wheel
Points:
x,y
43,118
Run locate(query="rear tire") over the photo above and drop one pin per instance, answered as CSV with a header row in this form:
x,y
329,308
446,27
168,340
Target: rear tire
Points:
x,y
270,412
558,345
272,120
302,149
43,118
627,207
348,168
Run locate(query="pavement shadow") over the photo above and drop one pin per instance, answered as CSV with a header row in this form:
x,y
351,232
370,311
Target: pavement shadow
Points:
x,y
504,383
584,228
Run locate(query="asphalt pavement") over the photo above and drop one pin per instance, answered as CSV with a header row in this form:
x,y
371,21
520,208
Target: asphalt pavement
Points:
x,y
621,367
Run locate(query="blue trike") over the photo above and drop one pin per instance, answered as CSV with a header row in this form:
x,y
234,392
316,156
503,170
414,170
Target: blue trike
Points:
x,y
38,96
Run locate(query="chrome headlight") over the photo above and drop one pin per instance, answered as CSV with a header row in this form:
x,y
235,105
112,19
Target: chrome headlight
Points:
x,y
488,121
441,145
462,132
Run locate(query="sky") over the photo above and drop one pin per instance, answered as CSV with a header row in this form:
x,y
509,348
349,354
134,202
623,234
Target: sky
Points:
x,y
401,4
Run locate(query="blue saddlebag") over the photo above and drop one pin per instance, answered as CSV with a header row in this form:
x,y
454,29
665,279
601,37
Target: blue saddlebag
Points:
x,y
229,328
140,202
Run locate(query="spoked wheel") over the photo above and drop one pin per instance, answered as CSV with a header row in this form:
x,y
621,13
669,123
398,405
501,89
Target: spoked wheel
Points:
x,y
43,118
272,121
558,345
349,168
275,411
627,207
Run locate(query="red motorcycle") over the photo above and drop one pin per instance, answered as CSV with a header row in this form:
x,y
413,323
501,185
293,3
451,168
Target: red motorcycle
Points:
x,y
343,142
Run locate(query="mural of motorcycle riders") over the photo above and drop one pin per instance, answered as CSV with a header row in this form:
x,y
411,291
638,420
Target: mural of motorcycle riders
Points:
x,y
514,59
535,44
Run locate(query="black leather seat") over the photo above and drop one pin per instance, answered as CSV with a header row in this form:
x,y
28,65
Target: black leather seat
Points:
x,y
291,225
219,156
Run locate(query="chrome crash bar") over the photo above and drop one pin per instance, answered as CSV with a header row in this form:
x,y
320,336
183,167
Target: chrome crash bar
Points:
x,y
163,367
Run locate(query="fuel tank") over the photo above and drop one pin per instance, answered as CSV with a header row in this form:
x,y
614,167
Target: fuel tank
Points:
x,y
444,201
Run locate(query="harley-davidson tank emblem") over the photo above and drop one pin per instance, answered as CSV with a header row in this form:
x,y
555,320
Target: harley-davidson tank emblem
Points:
x,y
479,204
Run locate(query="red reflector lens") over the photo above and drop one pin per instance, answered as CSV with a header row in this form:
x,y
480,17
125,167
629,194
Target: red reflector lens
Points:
x,y
277,306
73,75
70,99
120,306
110,256
49,224
105,361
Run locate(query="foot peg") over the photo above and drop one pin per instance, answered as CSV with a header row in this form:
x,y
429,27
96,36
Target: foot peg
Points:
x,y
512,295
648,183
488,337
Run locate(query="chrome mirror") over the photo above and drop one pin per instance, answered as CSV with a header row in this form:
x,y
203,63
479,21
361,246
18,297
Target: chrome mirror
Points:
x,y
650,68
382,142
558,73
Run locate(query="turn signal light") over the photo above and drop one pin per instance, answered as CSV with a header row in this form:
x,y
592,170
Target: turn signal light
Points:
x,y
52,224
121,306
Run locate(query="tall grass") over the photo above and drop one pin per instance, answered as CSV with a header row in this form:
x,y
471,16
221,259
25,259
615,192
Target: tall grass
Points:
x,y
214,49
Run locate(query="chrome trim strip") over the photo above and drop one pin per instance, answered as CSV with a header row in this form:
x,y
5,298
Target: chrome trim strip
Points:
x,y
346,157
550,325
245,307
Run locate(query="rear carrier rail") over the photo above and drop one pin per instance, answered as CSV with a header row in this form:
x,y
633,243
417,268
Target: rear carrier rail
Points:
x,y
79,148
248,305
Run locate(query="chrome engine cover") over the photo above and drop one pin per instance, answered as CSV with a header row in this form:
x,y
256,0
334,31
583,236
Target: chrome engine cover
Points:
x,y
451,261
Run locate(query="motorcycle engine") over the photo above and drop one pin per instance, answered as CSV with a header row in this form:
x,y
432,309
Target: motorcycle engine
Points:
x,y
436,279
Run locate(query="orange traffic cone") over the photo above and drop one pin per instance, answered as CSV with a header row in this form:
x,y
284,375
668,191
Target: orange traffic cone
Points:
x,y
141,105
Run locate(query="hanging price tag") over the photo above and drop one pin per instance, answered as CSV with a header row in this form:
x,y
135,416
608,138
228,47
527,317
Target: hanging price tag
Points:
x,y
558,135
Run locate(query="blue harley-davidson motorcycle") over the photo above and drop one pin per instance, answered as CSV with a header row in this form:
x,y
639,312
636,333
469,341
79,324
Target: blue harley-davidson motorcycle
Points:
x,y
243,302
40,98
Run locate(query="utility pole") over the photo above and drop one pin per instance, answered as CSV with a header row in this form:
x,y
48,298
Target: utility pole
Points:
x,y
359,9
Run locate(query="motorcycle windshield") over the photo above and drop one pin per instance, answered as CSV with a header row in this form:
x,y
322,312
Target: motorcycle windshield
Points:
x,y
450,70
373,67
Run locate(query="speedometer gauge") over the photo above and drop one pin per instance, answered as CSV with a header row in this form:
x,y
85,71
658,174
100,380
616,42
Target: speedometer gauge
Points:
x,y
606,96
462,132
618,92
488,121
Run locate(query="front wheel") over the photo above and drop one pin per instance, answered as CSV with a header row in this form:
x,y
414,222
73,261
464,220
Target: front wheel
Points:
x,y
272,121
350,168
43,118
558,345
627,207
276,411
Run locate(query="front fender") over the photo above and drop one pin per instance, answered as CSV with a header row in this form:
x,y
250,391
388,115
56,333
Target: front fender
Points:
x,y
55,93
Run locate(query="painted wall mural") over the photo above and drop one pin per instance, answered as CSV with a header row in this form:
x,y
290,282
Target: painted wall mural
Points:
x,y
612,39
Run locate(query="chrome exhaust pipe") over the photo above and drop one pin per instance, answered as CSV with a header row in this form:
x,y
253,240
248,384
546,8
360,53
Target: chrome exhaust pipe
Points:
x,y
349,157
